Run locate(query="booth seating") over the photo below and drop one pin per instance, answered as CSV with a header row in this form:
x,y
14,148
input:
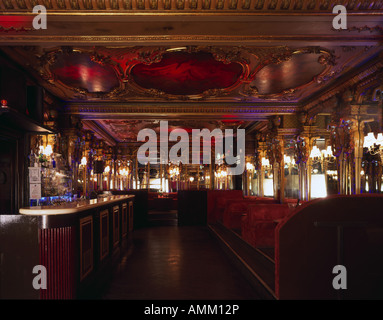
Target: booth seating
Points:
x,y
323,233
235,209
258,225
215,206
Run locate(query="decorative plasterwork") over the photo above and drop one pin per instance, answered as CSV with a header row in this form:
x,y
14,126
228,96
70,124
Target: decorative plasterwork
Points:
x,y
124,59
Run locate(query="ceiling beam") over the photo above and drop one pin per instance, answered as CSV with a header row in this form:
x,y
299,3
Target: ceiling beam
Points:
x,y
93,126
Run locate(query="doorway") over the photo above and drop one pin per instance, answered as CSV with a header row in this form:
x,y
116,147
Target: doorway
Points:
x,y
8,197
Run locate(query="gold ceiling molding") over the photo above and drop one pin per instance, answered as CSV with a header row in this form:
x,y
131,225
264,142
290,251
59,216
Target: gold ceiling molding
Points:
x,y
234,6
32,38
238,112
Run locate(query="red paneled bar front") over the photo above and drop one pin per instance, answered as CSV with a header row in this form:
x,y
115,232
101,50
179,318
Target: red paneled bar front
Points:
x,y
80,241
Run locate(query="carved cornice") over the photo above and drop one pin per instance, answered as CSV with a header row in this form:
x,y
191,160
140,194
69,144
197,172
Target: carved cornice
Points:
x,y
91,125
198,6
368,73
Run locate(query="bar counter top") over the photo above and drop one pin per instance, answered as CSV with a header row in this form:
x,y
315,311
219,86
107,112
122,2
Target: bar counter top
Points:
x,y
73,207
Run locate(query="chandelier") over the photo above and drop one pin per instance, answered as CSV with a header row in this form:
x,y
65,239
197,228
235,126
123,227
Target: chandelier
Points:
x,y
174,171
221,172
124,172
317,156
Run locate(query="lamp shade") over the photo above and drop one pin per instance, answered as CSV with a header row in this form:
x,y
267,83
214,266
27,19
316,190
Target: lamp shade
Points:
x,y
379,139
369,140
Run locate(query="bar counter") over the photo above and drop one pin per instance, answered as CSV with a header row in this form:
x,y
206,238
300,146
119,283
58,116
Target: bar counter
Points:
x,y
73,207
78,243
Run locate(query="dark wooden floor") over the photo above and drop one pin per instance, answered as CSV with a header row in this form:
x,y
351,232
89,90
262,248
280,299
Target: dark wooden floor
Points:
x,y
171,262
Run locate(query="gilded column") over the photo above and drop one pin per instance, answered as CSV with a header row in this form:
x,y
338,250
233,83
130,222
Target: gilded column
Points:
x,y
262,154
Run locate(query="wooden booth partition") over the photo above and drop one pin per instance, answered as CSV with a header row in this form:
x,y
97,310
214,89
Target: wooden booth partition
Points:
x,y
192,207
328,232
201,207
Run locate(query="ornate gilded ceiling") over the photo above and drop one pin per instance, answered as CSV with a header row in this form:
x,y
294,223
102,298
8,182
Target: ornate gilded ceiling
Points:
x,y
188,74
121,65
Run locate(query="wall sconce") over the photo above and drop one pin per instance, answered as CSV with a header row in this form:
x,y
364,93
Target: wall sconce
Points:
x,y
265,162
249,167
328,155
315,154
288,160
83,161
374,145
